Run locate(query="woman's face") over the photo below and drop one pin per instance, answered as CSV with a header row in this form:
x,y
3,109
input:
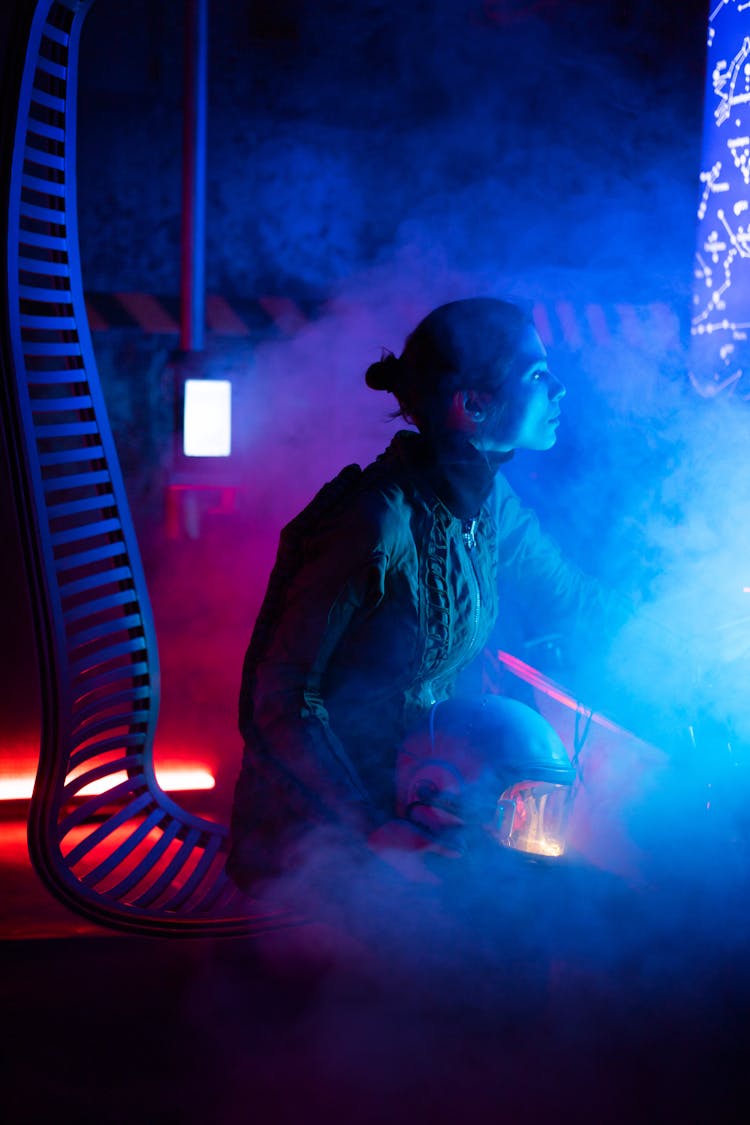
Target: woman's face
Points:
x,y
525,412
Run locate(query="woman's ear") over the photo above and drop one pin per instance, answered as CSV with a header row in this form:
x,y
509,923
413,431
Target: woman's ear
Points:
x,y
459,417
473,406
466,411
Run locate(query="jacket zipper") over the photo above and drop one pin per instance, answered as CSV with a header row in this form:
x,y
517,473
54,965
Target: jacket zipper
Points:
x,y
468,534
469,539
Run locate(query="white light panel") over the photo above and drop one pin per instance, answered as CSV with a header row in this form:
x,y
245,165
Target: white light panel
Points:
x,y
207,428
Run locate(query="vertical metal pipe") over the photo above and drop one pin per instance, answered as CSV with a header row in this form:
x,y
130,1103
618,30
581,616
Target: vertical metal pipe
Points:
x,y
720,358
193,265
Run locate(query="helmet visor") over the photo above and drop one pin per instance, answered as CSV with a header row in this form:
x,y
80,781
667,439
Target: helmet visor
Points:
x,y
532,816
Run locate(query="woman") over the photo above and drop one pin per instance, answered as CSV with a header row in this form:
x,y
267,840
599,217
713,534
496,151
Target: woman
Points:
x,y
385,589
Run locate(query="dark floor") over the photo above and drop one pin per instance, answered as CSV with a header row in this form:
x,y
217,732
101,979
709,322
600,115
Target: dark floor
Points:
x,y
617,1004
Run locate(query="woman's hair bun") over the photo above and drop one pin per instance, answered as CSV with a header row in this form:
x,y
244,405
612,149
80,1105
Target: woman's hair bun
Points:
x,y
386,374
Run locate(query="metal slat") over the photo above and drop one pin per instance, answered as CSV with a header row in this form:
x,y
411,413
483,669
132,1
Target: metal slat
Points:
x,y
116,742
117,765
38,128
71,456
44,296
42,214
115,625
44,432
44,187
50,323
82,668
64,430
128,685
51,269
49,101
84,673
39,350
51,297
91,805
53,68
175,865
94,726
121,853
43,241
51,32
103,577
45,424
202,868
133,693
71,375
77,480
104,629
139,873
126,672
100,605
132,742
52,405
222,891
96,659
33,348
93,530
107,828
221,898
86,558
47,159
59,457
140,693
49,288
87,504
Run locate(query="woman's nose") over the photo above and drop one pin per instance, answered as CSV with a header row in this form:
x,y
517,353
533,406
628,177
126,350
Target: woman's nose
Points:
x,y
556,389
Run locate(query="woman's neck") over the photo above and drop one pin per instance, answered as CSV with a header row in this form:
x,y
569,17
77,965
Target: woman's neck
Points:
x,y
462,475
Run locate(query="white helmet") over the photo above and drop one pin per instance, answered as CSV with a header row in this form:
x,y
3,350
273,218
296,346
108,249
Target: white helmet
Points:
x,y
492,764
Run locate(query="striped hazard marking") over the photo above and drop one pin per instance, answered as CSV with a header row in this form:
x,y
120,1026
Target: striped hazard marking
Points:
x,y
559,323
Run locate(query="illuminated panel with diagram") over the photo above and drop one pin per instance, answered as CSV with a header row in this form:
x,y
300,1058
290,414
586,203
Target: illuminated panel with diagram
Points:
x,y
721,294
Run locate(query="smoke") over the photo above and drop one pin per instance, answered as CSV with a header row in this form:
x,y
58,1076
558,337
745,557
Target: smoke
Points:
x,y
407,998
385,161
518,987
697,531
646,488
550,144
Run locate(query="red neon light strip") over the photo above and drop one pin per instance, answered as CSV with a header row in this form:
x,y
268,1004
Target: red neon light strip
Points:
x,y
554,691
19,788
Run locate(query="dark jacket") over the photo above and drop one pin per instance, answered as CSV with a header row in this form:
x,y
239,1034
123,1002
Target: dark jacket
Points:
x,y
384,589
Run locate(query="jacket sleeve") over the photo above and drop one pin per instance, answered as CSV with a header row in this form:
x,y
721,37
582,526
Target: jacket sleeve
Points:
x,y
340,578
569,599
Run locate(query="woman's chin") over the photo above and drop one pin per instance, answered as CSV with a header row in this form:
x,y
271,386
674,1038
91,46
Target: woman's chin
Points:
x,y
544,443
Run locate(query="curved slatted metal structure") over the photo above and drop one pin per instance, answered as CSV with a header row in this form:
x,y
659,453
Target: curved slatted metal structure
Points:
x,y
126,856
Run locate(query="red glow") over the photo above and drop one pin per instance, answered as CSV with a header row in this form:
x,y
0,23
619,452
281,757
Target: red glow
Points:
x,y
172,780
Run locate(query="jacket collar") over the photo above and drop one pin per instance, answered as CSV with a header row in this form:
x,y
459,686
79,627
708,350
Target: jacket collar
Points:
x,y
454,470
